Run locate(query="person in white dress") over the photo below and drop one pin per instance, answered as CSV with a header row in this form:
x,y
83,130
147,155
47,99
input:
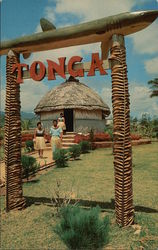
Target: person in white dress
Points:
x,y
39,139
61,123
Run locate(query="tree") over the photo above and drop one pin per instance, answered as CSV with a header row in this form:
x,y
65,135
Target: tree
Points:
x,y
26,124
154,87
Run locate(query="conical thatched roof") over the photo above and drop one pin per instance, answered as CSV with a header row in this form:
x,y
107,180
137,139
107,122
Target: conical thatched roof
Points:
x,y
71,94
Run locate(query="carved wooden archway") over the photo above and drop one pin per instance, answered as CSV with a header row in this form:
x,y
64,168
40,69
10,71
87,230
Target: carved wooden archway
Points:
x,y
108,32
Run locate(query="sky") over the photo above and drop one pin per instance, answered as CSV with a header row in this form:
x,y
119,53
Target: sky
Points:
x,y
21,17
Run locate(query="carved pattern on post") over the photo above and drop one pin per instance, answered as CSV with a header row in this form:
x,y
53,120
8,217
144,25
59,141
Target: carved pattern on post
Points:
x,y
122,142
12,144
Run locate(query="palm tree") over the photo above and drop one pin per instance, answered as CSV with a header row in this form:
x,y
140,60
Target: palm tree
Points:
x,y
25,124
154,87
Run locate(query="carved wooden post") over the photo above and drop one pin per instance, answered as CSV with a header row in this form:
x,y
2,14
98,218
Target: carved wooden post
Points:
x,y
12,145
122,142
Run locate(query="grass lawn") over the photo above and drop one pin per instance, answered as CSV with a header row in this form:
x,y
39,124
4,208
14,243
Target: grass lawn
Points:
x,y
92,178
1,153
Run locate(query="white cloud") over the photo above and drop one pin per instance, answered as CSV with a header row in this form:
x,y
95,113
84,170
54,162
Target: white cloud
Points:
x,y
49,13
106,95
38,29
146,41
139,98
93,9
151,66
141,101
65,52
30,94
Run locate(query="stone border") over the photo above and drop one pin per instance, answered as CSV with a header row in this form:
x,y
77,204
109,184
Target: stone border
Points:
x,y
109,144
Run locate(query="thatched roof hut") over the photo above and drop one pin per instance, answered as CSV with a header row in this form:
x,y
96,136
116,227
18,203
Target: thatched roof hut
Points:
x,y
83,108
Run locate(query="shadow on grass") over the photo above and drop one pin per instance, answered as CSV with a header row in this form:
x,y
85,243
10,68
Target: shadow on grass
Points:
x,y
86,203
31,181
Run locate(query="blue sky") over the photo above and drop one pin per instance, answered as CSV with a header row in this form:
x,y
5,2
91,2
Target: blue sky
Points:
x,y
21,17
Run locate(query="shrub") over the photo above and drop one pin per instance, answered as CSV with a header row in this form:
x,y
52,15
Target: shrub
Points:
x,y
82,229
135,137
29,165
78,138
91,135
29,145
93,146
75,151
85,146
1,135
27,137
61,156
102,137
61,197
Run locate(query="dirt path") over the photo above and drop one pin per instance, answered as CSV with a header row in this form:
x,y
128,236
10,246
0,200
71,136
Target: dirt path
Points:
x,y
46,160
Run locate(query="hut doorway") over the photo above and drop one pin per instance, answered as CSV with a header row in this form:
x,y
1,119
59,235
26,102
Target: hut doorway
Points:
x,y
68,114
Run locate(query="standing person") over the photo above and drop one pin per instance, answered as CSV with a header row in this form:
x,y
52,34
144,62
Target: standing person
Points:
x,y
56,136
61,123
39,139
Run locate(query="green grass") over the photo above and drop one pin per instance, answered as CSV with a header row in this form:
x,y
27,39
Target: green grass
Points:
x,y
1,153
92,178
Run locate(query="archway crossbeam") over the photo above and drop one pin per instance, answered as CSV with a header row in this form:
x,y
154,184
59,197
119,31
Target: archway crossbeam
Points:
x,y
100,30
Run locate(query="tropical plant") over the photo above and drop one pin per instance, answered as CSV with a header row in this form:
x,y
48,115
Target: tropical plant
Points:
x,y
154,87
85,146
61,157
82,229
29,165
146,125
2,119
75,151
29,145
25,124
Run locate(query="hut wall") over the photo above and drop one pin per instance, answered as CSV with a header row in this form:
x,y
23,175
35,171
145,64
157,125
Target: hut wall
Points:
x,y
88,114
48,117
85,120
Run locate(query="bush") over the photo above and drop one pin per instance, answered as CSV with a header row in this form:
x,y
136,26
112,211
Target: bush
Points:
x,y
29,165
85,146
1,135
91,135
27,137
78,138
82,229
75,151
61,157
29,145
102,137
135,137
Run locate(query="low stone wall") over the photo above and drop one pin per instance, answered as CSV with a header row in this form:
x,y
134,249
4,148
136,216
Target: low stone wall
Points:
x,y
107,144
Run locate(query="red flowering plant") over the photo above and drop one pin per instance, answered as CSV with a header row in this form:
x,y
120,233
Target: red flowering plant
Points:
x,y
135,137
